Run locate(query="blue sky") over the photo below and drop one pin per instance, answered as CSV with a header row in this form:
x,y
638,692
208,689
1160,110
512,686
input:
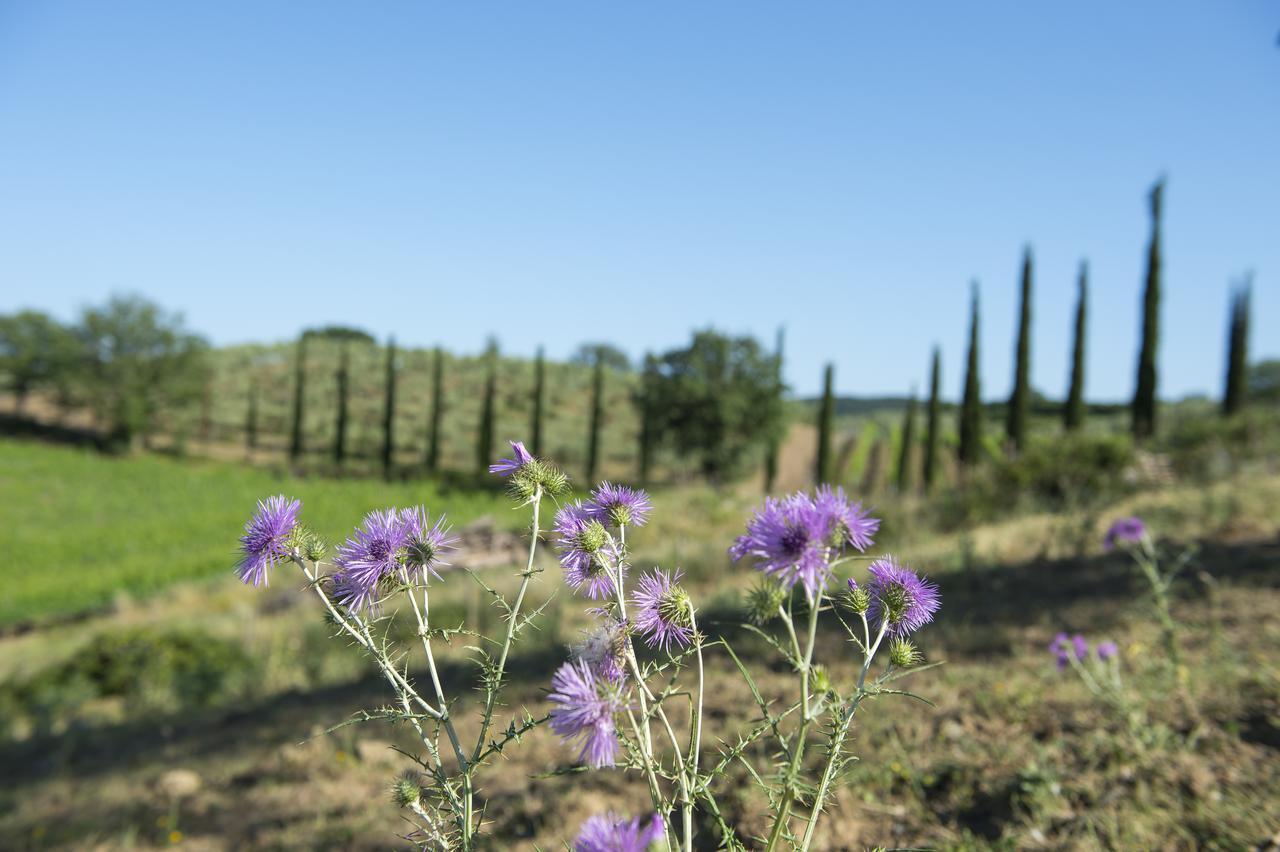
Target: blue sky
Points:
x,y
554,173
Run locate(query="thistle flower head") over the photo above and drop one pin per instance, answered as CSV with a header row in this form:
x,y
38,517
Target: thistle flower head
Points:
x,y
585,706
858,598
506,467
900,598
406,790
787,538
268,538
1124,531
425,543
528,475
609,832
604,650
846,522
765,600
904,654
1107,650
586,552
618,505
1064,647
663,610
370,558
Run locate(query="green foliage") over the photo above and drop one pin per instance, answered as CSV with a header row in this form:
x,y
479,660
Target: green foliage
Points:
x,y
775,440
1074,411
591,354
646,397
484,433
1144,397
1206,446
339,334
539,394
343,379
1264,381
935,424
822,464
251,419
1016,422
971,405
907,444
299,400
437,410
36,351
389,413
1233,398
597,413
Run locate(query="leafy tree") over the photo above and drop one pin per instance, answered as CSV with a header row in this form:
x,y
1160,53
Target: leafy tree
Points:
x,y
716,401
590,354
539,392
1144,396
1264,381
36,351
437,410
933,435
389,412
971,404
908,439
826,411
1016,423
597,414
1233,399
299,400
340,334
343,380
139,361
1073,413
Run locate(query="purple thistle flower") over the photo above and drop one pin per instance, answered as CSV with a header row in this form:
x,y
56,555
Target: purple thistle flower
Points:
x,y
848,524
609,832
369,557
1107,650
1125,531
788,540
506,467
585,545
585,712
425,542
663,611
901,597
1064,647
604,650
618,505
265,542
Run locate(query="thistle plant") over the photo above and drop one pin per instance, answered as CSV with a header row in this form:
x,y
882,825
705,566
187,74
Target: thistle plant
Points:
x,y
1100,672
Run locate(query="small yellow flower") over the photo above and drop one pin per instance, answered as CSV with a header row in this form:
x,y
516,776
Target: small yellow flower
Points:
x,y
175,836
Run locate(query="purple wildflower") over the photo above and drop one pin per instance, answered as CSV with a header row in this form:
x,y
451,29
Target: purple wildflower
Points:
x,y
585,546
663,611
609,832
425,542
847,523
585,712
788,540
604,650
1064,647
506,467
618,505
266,537
369,557
1125,531
900,597
1107,650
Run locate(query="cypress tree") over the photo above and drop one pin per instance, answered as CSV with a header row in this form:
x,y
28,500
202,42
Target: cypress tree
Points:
x,y
1144,396
908,438
971,405
775,440
933,431
826,411
389,412
437,411
251,420
484,435
299,397
648,416
1020,399
539,389
597,410
1233,399
1073,413
343,380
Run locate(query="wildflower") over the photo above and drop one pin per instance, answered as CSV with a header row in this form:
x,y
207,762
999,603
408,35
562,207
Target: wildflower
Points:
x,y
858,599
618,505
267,538
1064,647
1125,531
609,832
900,598
789,540
604,650
847,523
903,654
585,712
663,611
1107,650
506,467
584,547
369,558
425,542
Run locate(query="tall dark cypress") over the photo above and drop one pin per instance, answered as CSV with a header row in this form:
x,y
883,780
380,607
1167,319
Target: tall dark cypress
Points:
x,y
1020,399
299,398
597,413
648,416
251,420
971,405
1073,412
539,390
775,440
389,413
933,435
908,441
1144,396
484,435
826,411
1233,399
343,381
437,410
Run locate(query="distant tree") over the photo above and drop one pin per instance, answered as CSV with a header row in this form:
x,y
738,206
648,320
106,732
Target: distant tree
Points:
x,y
140,360
1073,412
484,434
1144,397
590,354
826,411
597,414
908,440
251,419
971,404
437,410
646,397
342,379
539,391
933,435
1234,396
389,412
299,400
1019,400
36,351
716,401
775,440
340,334
1264,381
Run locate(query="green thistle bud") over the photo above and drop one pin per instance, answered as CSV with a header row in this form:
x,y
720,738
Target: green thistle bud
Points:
x,y
895,600
820,680
857,598
419,553
764,601
619,515
903,654
315,548
592,537
406,791
676,607
535,474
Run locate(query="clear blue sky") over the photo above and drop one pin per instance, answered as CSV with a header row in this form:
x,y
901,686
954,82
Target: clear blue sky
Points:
x,y
555,172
